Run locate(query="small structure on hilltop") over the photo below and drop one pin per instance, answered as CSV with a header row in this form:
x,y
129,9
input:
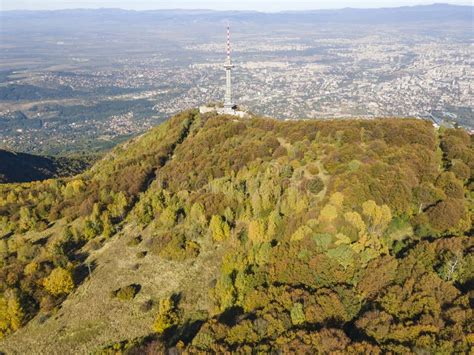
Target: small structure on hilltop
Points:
x,y
229,108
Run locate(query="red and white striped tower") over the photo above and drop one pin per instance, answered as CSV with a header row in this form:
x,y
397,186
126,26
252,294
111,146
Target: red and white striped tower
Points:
x,y
228,43
228,104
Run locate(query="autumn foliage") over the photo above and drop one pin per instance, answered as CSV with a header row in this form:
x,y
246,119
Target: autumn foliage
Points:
x,y
346,236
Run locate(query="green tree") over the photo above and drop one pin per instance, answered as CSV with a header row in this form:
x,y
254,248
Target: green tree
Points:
x,y
119,206
315,185
225,294
27,220
219,228
91,228
3,251
107,226
297,314
274,224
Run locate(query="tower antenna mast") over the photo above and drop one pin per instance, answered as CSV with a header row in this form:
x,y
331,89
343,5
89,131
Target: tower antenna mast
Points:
x,y
228,42
228,66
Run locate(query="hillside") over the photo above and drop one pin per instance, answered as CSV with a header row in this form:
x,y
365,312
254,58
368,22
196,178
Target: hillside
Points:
x,y
210,233
22,167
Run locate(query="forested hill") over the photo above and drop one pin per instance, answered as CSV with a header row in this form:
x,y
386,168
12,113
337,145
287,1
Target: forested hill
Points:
x,y
214,234
21,167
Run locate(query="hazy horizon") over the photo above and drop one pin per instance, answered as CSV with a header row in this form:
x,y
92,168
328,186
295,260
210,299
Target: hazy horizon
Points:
x,y
262,5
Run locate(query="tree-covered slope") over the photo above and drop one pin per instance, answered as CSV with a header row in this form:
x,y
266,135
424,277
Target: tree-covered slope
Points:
x,y
211,233
22,167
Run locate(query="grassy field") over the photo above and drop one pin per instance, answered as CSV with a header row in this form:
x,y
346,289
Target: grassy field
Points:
x,y
90,318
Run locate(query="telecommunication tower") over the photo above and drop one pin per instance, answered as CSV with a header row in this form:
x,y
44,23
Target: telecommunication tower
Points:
x,y
228,104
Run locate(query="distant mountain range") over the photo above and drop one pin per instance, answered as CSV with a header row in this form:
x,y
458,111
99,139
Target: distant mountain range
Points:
x,y
22,167
435,12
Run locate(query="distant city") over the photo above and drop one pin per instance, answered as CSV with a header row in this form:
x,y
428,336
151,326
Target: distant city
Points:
x,y
64,91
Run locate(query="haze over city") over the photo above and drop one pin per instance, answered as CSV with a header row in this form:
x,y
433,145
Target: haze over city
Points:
x,y
73,80
236,177
261,5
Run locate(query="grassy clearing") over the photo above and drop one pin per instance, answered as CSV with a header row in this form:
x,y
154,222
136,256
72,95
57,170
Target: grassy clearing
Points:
x,y
90,318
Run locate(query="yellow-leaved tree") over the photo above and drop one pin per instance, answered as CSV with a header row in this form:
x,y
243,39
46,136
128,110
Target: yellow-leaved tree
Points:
x,y
198,214
11,313
219,228
256,231
59,282
377,218
167,315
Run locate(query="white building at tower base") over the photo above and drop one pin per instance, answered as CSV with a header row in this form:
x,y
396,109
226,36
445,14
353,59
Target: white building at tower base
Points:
x,y
223,111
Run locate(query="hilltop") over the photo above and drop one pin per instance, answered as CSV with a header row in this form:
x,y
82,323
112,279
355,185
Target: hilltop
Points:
x,y
212,233
22,167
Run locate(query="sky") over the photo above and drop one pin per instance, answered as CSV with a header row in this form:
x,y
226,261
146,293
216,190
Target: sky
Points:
x,y
259,5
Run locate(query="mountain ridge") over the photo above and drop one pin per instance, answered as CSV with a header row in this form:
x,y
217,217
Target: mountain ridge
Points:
x,y
440,12
212,233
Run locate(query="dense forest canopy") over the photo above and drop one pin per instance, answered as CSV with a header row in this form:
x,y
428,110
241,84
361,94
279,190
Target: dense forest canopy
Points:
x,y
344,235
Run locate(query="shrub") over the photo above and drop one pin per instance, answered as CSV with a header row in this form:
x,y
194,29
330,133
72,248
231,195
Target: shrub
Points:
x,y
134,241
315,185
141,254
313,169
127,293
146,306
179,249
354,165
287,171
